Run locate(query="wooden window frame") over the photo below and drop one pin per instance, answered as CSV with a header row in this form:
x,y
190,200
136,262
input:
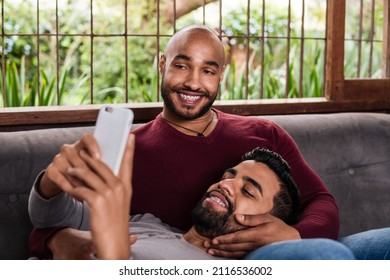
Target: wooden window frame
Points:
x,y
341,95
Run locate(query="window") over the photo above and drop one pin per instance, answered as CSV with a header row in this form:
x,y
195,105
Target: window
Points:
x,y
267,59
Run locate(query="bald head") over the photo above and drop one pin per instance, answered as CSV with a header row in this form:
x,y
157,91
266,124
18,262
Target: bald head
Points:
x,y
192,69
196,34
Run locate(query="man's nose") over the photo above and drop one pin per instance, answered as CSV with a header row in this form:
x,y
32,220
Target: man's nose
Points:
x,y
227,186
193,80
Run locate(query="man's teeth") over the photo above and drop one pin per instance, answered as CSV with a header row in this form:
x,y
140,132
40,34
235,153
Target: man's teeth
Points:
x,y
217,200
189,97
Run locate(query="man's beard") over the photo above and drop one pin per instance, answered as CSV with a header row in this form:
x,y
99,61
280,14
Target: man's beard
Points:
x,y
210,223
166,93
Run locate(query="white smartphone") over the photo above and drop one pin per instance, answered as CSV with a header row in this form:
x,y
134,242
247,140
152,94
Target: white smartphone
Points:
x,y
112,130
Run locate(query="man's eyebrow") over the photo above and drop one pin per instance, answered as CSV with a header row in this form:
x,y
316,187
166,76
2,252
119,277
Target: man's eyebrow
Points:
x,y
187,58
231,171
254,183
182,56
212,63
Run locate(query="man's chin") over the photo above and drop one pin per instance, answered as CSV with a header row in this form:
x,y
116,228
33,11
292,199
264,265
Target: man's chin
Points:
x,y
210,223
215,232
183,111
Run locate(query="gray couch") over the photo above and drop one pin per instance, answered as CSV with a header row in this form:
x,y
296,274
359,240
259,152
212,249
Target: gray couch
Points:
x,y
350,152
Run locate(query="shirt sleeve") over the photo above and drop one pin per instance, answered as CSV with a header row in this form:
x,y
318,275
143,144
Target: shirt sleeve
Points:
x,y
319,212
58,211
51,215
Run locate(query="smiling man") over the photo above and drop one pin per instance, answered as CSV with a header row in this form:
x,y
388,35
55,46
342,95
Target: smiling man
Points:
x,y
201,69
260,184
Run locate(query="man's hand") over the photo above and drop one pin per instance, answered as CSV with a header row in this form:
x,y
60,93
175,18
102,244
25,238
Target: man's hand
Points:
x,y
56,178
108,197
265,229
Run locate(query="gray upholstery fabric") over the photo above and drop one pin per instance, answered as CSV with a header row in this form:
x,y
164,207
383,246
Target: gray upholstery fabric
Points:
x,y
350,152
22,156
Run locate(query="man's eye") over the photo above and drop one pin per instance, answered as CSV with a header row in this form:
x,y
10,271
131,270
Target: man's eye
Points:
x,y
180,66
247,193
209,72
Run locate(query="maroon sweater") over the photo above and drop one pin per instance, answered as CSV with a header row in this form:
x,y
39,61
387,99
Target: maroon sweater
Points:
x,y
173,170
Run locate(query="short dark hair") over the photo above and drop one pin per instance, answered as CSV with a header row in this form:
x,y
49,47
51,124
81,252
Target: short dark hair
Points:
x,y
287,200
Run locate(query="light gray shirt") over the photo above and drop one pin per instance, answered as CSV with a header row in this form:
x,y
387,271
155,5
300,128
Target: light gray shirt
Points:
x,y
159,241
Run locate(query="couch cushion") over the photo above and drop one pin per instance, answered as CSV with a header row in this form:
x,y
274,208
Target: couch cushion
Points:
x,y
351,153
22,156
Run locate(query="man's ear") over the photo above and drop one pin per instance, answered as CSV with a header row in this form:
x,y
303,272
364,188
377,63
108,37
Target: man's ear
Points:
x,y
161,63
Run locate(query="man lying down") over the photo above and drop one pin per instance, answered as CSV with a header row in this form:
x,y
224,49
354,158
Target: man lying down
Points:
x,y
260,184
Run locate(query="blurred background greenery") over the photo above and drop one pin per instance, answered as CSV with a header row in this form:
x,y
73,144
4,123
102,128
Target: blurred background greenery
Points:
x,y
30,81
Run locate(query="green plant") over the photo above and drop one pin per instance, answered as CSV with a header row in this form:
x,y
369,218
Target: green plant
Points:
x,y
21,92
109,75
274,82
275,53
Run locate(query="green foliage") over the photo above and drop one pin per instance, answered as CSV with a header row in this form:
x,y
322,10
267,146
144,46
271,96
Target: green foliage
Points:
x,y
109,69
275,53
352,50
21,92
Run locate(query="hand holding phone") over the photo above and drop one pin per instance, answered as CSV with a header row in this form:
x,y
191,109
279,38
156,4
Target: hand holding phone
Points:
x,y
111,132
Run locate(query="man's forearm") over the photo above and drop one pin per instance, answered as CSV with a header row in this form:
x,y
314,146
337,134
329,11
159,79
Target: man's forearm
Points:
x,y
320,224
51,216
58,211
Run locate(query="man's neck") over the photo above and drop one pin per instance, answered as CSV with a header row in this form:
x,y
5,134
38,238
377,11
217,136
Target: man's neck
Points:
x,y
204,124
168,115
196,239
